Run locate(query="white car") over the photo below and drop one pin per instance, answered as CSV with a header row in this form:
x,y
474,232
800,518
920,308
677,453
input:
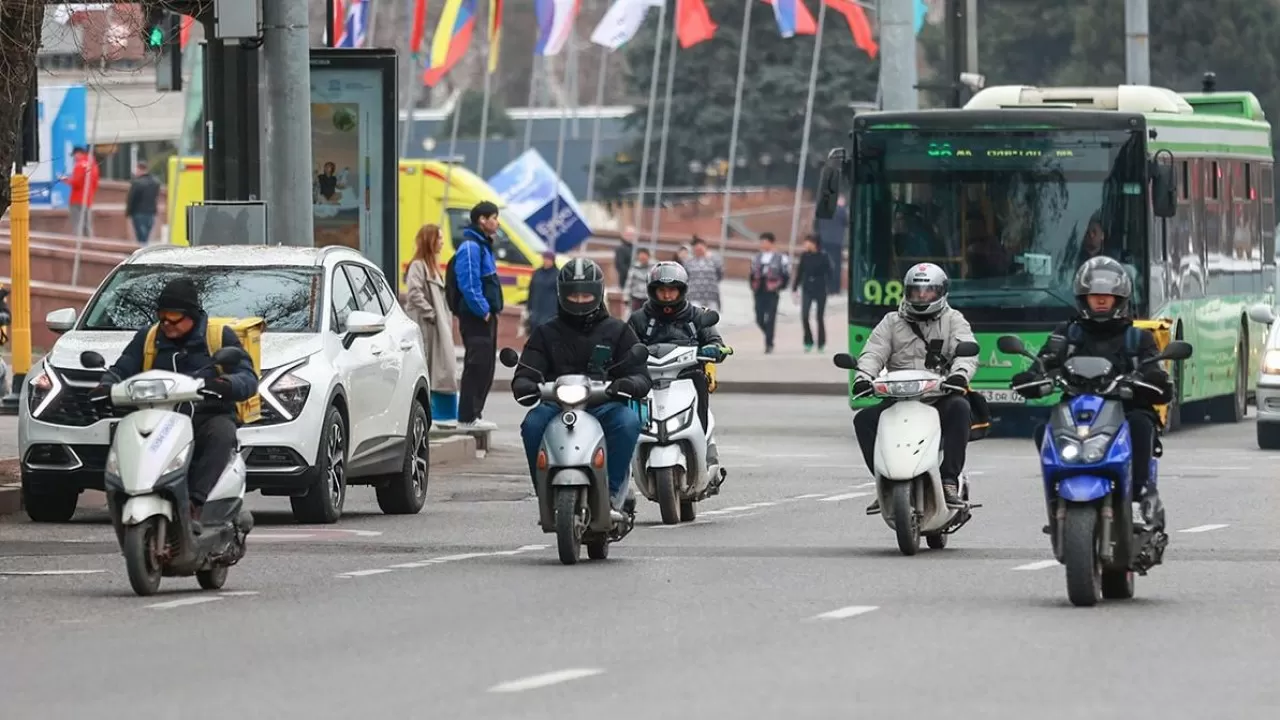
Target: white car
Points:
x,y
1268,393
344,386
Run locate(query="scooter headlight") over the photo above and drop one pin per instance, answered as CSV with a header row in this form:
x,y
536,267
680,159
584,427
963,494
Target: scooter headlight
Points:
x,y
679,422
571,394
1086,452
148,390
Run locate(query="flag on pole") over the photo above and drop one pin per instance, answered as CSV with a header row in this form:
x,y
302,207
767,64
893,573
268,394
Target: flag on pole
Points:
x,y
621,22
555,24
793,18
453,35
858,25
185,34
338,15
495,33
693,23
419,29
354,24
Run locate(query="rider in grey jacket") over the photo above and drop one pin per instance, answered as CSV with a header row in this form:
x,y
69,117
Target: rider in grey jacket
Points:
x,y
901,342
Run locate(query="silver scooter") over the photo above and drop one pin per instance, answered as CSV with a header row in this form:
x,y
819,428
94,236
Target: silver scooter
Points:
x,y
570,476
146,483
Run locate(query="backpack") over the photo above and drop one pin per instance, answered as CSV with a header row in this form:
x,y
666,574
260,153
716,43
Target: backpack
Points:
x,y
247,411
1132,342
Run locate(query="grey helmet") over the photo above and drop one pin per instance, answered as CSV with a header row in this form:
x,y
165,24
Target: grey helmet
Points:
x,y
1103,276
924,292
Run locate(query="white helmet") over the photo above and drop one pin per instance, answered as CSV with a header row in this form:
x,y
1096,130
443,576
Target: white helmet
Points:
x,y
924,292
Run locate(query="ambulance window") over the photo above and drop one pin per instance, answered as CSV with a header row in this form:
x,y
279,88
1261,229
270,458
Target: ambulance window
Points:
x,y
503,248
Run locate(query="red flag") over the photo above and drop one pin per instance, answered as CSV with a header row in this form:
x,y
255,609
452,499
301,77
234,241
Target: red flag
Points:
x,y
805,24
419,25
693,23
185,34
857,19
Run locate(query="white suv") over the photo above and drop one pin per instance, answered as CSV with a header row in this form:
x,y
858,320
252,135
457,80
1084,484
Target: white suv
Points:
x,y
345,390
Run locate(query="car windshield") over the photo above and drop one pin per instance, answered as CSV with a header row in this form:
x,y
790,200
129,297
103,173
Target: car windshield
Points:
x,y
284,296
1009,216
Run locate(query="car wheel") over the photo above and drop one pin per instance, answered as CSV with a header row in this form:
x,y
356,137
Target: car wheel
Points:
x,y
50,507
328,492
406,492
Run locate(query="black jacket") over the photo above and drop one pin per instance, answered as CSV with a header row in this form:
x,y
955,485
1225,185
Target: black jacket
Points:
x,y
144,190
653,326
190,356
813,273
543,303
558,348
1107,341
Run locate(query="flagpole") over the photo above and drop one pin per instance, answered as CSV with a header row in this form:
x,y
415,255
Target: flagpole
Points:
x,y
595,127
369,16
484,112
808,124
449,161
564,125
737,116
653,102
533,90
411,103
662,143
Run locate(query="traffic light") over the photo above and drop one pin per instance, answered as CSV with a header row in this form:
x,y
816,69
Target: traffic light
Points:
x,y
169,62
30,137
155,32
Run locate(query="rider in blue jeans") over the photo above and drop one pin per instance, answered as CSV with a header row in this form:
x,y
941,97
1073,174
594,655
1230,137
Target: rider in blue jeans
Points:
x,y
584,340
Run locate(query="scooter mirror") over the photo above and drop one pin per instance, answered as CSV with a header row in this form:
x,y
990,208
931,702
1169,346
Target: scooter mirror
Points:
x,y
844,361
639,352
967,349
1176,350
1011,345
708,318
508,357
92,360
229,356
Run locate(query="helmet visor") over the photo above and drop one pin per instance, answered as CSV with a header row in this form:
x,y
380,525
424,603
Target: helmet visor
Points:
x,y
923,294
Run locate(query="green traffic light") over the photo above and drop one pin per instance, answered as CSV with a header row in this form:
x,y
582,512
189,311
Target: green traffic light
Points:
x,y
156,38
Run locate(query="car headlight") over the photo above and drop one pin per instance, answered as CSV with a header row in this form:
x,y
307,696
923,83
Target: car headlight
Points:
x,y
43,386
148,390
571,394
291,392
1271,363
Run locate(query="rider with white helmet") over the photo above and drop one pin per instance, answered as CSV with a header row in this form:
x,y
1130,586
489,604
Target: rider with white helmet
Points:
x,y
900,342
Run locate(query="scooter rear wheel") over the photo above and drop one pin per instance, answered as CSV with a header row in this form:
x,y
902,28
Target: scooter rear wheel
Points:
x,y
213,578
141,556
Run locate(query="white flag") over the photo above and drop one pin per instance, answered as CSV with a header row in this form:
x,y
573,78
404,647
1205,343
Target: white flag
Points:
x,y
621,22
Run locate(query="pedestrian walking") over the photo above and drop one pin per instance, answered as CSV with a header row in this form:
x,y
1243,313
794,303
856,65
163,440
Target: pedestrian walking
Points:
x,y
622,255
140,204
83,183
475,296
833,233
637,286
425,303
543,304
770,271
810,289
705,273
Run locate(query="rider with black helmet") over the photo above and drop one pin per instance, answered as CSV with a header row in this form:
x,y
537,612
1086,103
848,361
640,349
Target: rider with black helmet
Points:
x,y
584,340
668,317
1104,328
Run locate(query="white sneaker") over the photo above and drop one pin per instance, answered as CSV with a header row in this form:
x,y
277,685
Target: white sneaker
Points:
x,y
478,425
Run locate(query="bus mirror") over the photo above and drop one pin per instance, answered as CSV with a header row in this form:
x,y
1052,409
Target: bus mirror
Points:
x,y
1164,189
829,185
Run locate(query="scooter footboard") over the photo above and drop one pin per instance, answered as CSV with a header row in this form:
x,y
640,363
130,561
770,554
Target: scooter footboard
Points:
x,y
140,507
1083,488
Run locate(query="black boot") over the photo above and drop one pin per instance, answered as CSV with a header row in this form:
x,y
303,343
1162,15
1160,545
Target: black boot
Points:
x,y
951,492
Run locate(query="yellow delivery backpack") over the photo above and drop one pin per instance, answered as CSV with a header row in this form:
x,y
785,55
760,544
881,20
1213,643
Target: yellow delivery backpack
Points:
x,y
249,330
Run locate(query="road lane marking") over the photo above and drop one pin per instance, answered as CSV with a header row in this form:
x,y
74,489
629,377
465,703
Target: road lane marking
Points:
x,y
845,496
846,612
238,593
51,572
546,679
806,496
279,536
1038,565
366,573
441,561
866,485
182,602
1202,528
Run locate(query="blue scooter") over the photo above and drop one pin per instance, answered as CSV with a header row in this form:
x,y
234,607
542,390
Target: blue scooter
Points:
x,y
1086,459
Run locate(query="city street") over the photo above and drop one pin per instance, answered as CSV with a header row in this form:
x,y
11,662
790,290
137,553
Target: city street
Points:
x,y
783,600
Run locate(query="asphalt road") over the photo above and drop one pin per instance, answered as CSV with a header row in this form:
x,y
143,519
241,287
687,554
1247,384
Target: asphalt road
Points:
x,y
782,601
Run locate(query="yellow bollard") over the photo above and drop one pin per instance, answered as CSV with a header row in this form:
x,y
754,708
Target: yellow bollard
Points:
x,y
20,269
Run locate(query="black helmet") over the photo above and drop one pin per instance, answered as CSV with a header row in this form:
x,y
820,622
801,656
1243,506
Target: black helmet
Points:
x,y
580,276
668,274
1103,276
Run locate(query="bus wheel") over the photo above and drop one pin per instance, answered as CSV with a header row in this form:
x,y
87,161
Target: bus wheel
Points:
x,y
1232,408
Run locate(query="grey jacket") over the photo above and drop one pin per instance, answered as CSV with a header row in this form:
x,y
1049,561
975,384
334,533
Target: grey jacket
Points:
x,y
893,346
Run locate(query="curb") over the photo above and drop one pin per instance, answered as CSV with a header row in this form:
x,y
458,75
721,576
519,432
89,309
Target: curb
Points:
x,y
751,387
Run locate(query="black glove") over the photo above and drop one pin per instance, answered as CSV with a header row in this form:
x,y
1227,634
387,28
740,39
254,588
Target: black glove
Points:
x,y
861,386
1024,377
525,390
957,381
101,393
622,386
1154,375
218,388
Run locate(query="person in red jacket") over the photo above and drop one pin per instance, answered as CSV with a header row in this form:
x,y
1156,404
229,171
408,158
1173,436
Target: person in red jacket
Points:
x,y
84,187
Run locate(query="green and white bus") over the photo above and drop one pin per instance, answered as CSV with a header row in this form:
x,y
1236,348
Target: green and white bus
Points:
x,y
1012,192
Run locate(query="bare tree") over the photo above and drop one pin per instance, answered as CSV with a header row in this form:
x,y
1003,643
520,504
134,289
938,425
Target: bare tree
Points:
x,y
20,23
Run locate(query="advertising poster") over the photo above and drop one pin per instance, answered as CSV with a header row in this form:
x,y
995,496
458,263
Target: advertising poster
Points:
x,y
61,119
353,164
534,193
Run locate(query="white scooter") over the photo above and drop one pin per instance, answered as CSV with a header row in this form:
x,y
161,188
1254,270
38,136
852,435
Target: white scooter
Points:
x,y
908,454
146,483
676,462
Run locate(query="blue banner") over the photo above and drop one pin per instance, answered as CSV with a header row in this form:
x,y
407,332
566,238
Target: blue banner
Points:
x,y
534,193
61,123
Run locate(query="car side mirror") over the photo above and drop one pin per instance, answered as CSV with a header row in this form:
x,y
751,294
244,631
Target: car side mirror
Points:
x,y
362,324
61,320
1262,313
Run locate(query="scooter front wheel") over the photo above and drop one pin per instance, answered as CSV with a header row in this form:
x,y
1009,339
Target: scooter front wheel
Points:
x,y
1080,555
141,556
568,527
664,481
905,522
213,578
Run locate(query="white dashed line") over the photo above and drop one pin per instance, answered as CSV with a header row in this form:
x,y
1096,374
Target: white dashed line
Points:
x,y
540,681
366,573
866,485
846,612
1202,528
279,536
845,496
238,593
1038,565
441,561
50,572
182,602
806,496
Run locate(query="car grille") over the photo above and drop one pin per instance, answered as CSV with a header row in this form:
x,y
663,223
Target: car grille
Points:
x,y
72,406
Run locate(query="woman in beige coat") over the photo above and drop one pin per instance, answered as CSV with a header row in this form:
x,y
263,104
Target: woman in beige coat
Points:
x,y
426,304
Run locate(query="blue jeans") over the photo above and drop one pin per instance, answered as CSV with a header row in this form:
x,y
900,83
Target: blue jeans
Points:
x,y
142,225
621,427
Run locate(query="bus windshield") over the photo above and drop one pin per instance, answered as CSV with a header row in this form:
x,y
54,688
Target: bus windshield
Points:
x,y
1008,215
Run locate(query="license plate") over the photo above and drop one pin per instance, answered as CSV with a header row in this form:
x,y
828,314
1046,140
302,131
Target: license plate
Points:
x,y
1002,397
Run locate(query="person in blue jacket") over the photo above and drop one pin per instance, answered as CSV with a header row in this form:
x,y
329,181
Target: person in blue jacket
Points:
x,y
479,301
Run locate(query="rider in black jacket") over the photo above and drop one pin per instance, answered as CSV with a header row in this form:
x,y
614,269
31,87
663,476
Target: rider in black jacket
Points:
x,y
1103,289
584,340
668,317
